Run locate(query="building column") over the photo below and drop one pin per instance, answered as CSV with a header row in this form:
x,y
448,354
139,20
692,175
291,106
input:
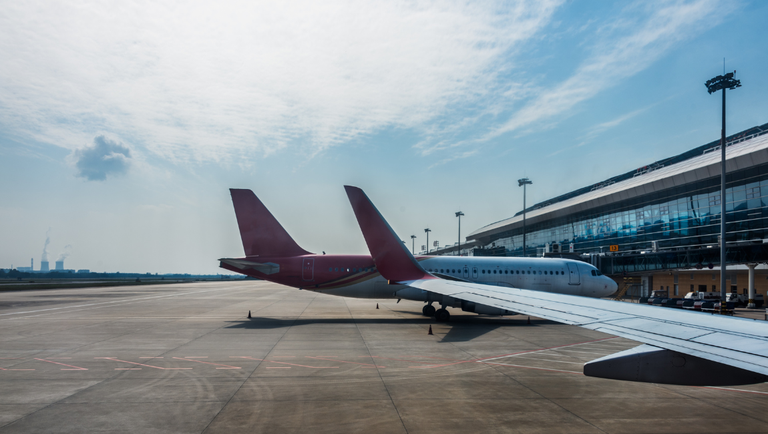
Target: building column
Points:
x,y
751,267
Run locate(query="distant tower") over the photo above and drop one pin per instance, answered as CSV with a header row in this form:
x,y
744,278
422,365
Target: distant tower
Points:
x,y
44,267
60,265
32,264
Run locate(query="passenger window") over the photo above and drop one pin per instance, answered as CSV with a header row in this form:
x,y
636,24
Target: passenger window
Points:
x,y
330,269
483,271
539,272
336,270
453,271
506,272
494,271
517,271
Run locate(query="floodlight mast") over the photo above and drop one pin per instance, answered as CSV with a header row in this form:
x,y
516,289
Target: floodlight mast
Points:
x,y
413,245
722,82
427,231
459,214
522,183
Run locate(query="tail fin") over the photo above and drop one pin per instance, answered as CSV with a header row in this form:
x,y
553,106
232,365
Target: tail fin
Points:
x,y
262,235
391,256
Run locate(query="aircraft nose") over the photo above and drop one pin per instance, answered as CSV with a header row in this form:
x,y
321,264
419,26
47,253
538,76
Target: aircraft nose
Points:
x,y
611,286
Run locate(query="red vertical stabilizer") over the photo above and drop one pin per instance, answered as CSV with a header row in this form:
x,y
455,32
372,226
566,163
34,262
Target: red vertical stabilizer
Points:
x,y
262,235
391,256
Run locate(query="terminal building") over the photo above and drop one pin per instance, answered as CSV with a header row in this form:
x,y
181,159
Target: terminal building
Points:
x,y
659,224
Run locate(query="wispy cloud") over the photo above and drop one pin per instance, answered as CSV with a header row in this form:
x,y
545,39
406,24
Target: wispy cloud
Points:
x,y
628,44
193,80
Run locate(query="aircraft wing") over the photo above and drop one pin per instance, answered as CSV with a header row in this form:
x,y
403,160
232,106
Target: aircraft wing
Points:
x,y
682,347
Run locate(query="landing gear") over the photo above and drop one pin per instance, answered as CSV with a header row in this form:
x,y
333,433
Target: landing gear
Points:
x,y
442,315
428,310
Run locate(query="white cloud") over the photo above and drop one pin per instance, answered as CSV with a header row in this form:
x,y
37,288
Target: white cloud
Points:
x,y
628,44
220,81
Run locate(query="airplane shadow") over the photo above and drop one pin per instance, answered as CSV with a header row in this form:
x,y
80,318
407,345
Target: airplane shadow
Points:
x,y
462,328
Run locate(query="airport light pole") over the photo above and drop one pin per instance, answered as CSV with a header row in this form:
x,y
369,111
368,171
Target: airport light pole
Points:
x,y
722,82
427,230
413,244
522,183
459,214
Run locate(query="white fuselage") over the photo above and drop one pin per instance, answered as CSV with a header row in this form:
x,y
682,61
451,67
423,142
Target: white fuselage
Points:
x,y
562,276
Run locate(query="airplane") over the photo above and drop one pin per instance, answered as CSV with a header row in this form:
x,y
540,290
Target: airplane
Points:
x,y
678,347
271,254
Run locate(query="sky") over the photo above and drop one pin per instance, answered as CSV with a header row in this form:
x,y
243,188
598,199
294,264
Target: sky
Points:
x,y
122,126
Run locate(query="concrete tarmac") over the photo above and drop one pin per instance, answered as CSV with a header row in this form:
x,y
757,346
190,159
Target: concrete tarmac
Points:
x,y
184,358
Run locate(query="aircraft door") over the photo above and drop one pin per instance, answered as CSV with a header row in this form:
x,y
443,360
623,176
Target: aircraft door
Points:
x,y
466,272
573,274
474,272
308,269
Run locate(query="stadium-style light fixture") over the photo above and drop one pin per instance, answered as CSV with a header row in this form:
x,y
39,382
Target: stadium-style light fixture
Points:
x,y
522,183
427,231
459,214
722,82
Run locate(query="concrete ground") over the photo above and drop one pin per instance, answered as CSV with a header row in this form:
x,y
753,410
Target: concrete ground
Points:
x,y
184,358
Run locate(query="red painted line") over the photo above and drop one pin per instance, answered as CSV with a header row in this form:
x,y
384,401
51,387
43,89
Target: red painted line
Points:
x,y
75,368
195,357
730,389
134,363
486,359
127,369
400,360
59,358
292,364
278,367
531,367
209,363
28,369
342,361
150,357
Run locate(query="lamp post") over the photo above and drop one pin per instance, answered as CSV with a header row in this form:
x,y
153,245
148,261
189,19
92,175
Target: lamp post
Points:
x,y
427,230
722,82
522,183
413,244
459,214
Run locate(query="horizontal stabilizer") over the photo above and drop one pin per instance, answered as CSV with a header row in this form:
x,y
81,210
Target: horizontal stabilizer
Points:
x,y
649,364
242,264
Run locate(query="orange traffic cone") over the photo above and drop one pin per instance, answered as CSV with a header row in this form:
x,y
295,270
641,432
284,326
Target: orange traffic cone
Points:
x,y
430,330
249,314
377,305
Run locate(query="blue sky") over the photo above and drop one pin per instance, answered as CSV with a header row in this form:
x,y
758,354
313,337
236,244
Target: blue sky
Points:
x,y
121,128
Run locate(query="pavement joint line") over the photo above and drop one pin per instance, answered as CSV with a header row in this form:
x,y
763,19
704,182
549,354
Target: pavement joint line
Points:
x,y
209,363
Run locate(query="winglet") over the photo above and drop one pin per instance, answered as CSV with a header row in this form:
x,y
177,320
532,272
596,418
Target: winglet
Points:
x,y
261,233
391,256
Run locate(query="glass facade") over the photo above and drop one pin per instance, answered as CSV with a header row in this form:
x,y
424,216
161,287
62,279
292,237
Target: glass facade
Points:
x,y
687,217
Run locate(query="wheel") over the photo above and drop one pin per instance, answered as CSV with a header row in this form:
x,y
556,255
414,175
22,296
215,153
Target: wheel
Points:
x,y
442,315
428,310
